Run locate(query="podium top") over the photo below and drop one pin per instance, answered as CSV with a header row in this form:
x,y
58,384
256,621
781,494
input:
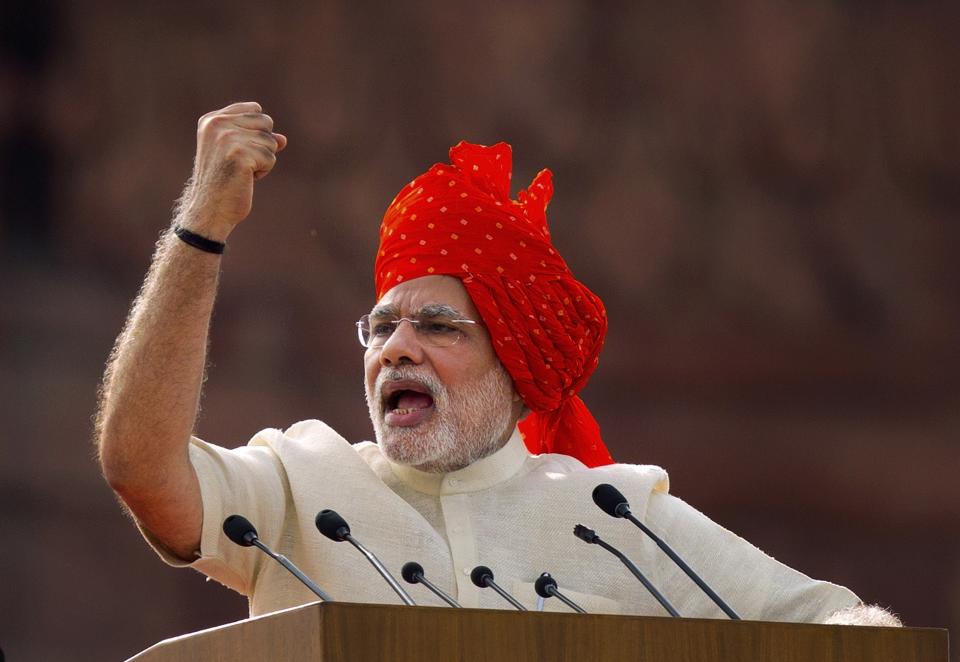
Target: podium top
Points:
x,y
357,632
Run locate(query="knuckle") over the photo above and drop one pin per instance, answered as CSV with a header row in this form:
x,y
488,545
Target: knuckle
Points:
x,y
226,138
259,119
219,119
210,123
235,150
266,155
267,137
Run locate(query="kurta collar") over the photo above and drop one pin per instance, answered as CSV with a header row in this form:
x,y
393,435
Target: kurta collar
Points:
x,y
480,475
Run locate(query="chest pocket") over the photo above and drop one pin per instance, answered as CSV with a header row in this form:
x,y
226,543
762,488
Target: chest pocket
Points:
x,y
526,594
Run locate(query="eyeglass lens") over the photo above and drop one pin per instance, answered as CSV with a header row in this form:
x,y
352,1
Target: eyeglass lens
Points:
x,y
436,331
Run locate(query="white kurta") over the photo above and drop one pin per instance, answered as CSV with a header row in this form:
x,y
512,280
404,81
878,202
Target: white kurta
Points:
x,y
512,512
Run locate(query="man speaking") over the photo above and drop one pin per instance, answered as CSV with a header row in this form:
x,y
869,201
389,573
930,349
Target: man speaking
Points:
x,y
477,344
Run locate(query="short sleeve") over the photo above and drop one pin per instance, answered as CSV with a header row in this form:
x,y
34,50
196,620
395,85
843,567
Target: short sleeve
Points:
x,y
248,481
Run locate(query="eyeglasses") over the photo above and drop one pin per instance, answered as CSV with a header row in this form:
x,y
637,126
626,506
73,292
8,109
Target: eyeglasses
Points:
x,y
435,331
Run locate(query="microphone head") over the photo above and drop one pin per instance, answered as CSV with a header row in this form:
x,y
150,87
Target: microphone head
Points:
x,y
481,575
585,534
411,572
543,582
239,529
332,525
610,500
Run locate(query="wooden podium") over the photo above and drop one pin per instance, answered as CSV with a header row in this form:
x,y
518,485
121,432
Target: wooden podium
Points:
x,y
340,631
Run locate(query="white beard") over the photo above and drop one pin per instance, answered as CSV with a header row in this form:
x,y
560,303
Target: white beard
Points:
x,y
467,425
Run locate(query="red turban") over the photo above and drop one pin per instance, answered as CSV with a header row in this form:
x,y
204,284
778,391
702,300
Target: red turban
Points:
x,y
546,327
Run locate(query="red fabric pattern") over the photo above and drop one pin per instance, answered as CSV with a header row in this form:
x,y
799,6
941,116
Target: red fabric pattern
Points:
x,y
547,328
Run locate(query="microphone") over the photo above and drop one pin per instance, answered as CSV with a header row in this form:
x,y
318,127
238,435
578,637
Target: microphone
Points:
x,y
546,586
239,530
336,529
412,572
590,536
613,503
482,576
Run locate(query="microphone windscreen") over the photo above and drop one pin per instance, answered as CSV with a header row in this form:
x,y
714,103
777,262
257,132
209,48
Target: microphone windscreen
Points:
x,y
585,534
410,572
480,575
610,499
239,529
544,581
332,525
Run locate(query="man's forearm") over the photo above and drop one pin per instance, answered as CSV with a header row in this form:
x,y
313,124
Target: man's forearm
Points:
x,y
151,393
151,389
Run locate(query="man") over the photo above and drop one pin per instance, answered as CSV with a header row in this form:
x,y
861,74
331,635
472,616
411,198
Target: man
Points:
x,y
476,348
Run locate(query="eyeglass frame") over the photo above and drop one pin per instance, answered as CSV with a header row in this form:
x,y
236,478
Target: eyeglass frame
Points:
x,y
415,323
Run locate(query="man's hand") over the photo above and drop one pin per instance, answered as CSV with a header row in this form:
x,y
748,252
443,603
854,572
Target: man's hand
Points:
x,y
235,147
864,615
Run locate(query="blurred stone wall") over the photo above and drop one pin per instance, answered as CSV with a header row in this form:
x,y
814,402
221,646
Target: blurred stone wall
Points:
x,y
766,195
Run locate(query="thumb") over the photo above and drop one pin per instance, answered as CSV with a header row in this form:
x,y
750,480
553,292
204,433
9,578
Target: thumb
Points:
x,y
281,141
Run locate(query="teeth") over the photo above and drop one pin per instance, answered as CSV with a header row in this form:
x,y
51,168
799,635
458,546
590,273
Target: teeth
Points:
x,y
405,410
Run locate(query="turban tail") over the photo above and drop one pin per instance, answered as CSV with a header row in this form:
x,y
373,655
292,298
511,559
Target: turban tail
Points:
x,y
546,327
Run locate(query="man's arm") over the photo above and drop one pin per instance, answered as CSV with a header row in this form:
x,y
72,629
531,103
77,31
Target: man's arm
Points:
x,y
151,388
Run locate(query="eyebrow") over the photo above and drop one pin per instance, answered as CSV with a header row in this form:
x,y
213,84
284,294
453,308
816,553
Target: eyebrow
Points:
x,y
429,310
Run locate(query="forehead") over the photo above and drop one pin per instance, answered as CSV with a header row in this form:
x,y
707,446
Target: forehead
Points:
x,y
409,297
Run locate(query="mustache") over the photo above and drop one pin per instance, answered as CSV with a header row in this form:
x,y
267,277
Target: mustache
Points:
x,y
411,374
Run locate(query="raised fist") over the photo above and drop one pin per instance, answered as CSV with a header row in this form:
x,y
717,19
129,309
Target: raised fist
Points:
x,y
236,146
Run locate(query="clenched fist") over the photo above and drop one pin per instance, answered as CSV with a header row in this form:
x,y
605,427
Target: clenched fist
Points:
x,y
236,146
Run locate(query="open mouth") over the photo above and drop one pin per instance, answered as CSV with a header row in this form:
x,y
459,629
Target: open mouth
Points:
x,y
406,403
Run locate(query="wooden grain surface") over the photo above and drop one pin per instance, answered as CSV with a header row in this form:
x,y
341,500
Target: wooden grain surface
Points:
x,y
361,633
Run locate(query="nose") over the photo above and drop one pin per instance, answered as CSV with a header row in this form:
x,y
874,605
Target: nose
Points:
x,y
402,347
